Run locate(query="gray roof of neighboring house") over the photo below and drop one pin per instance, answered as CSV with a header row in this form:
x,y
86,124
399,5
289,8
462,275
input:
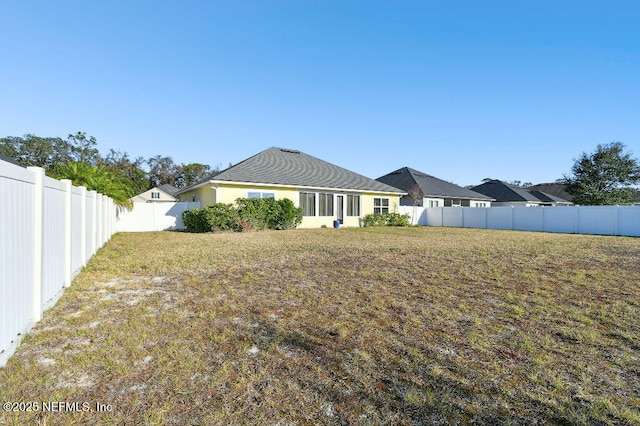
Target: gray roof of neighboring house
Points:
x,y
430,186
169,189
11,160
279,166
503,192
556,189
549,198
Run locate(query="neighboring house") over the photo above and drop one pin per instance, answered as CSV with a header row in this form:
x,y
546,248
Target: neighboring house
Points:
x,y
556,189
430,191
326,192
162,194
510,195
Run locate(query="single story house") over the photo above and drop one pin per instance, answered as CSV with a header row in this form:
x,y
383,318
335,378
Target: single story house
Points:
x,y
429,191
326,192
161,194
510,195
556,189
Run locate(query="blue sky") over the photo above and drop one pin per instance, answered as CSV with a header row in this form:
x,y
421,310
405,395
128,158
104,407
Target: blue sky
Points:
x,y
462,90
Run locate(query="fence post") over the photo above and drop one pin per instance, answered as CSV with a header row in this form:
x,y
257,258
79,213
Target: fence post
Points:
x,y
99,218
94,216
513,212
83,225
486,217
615,220
38,216
67,233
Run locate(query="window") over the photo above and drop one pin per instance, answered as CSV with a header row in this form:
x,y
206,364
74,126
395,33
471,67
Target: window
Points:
x,y
155,194
433,203
480,204
353,205
381,205
308,203
325,204
251,194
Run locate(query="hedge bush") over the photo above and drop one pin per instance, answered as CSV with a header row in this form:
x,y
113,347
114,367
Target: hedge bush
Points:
x,y
246,214
215,217
386,219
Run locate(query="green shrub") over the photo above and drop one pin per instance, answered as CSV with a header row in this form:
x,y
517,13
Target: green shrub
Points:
x,y
397,219
196,220
222,217
374,219
214,217
289,216
256,213
247,214
386,219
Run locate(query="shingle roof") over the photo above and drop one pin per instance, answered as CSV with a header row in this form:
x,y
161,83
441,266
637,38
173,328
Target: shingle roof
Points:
x,y
279,166
169,189
10,160
430,186
548,198
504,192
556,189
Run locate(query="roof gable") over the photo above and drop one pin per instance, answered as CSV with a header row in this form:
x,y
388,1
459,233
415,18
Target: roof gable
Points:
x,y
147,195
430,186
279,166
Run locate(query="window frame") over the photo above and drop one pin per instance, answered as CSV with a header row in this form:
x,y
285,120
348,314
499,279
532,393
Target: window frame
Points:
x,y
354,202
260,194
310,199
326,204
380,208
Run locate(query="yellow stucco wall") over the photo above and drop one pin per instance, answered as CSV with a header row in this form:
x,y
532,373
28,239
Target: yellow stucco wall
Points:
x,y
228,193
204,195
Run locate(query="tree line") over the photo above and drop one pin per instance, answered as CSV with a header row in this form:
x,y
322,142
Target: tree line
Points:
x,y
115,173
609,175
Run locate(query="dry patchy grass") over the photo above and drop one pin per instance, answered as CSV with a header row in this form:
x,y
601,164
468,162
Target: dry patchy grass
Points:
x,y
348,326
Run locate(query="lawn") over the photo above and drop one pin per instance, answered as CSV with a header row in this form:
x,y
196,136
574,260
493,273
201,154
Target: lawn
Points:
x,y
398,326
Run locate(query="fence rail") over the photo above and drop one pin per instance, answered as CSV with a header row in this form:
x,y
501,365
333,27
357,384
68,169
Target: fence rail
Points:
x,y
49,229
597,220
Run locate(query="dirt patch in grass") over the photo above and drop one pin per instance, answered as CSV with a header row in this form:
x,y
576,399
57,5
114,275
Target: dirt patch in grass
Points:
x,y
347,326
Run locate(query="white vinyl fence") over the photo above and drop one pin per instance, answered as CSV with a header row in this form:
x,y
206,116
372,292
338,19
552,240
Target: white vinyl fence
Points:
x,y
598,220
154,217
49,229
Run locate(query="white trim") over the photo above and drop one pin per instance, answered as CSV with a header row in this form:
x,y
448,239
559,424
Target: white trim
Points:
x,y
295,187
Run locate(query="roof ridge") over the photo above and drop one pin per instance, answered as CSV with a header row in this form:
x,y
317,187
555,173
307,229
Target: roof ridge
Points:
x,y
284,166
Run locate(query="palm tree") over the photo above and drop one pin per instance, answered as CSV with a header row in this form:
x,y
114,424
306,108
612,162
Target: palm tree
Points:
x,y
96,178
